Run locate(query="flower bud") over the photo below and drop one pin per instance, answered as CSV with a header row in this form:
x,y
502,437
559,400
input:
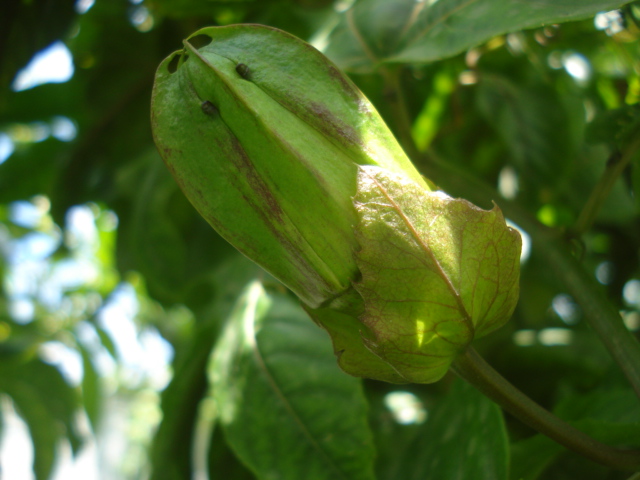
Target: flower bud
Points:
x,y
290,163
264,135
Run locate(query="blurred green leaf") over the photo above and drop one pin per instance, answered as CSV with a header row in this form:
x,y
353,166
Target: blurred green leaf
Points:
x,y
223,463
27,27
287,409
466,438
180,400
48,405
616,127
534,124
25,174
164,237
42,428
463,438
92,392
611,416
406,31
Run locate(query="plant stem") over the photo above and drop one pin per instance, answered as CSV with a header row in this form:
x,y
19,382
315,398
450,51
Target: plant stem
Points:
x,y
614,169
602,316
472,368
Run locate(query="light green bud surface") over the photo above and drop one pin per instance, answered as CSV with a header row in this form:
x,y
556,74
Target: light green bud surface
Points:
x,y
264,135
291,164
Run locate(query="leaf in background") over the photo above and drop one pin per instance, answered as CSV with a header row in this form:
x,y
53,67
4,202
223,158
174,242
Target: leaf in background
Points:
x,y
25,174
92,393
611,416
223,463
464,438
43,429
173,444
615,127
533,124
436,272
47,404
26,28
161,234
406,31
287,410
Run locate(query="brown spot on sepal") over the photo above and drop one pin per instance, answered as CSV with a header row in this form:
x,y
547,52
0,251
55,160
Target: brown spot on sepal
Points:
x,y
243,71
209,108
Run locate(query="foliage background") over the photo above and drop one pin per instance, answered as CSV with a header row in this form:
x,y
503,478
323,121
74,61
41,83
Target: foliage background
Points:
x,y
528,119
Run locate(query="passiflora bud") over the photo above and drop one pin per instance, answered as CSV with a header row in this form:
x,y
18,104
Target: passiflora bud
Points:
x,y
288,161
264,136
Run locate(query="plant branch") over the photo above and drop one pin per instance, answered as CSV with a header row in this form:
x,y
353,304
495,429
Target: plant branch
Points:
x,y
472,367
614,169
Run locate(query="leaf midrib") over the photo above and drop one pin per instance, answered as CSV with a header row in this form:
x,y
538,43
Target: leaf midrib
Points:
x,y
262,365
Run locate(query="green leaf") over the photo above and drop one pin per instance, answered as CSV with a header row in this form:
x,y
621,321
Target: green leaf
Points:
x,y
42,428
92,393
223,463
532,456
615,127
611,416
406,31
436,272
467,438
181,398
26,28
287,410
534,125
48,406
463,438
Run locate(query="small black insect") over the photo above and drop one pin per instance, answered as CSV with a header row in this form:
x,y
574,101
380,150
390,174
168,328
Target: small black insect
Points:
x,y
243,71
209,108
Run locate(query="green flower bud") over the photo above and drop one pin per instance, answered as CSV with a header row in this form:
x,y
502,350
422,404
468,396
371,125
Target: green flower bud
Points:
x,y
264,135
289,162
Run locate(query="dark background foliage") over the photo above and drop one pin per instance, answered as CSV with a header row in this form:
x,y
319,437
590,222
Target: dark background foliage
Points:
x,y
525,104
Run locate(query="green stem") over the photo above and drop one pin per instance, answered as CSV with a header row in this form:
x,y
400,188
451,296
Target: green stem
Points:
x,y
472,367
601,191
602,316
